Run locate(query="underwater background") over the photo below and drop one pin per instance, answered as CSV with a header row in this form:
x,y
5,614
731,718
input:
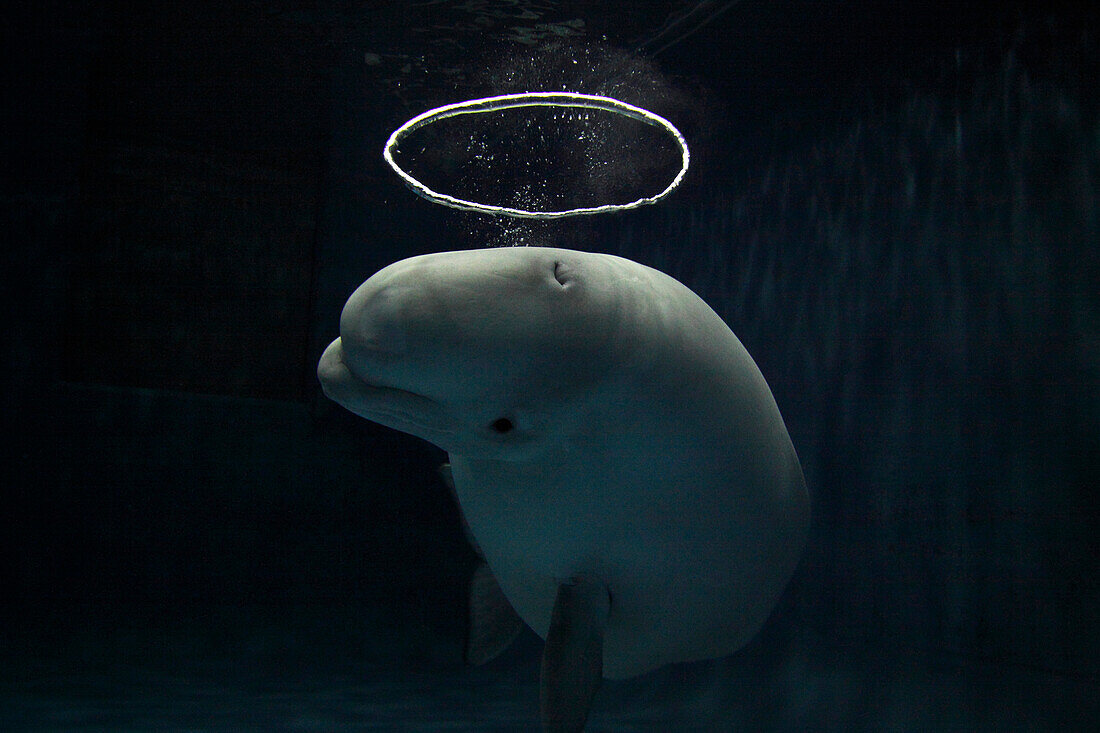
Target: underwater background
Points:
x,y
893,205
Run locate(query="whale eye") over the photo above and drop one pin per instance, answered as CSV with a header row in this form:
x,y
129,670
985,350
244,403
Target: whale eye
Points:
x,y
502,425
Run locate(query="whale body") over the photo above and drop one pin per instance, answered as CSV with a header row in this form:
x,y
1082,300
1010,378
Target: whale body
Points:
x,y
619,459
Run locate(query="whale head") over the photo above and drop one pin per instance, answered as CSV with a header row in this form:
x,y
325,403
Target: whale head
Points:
x,y
485,353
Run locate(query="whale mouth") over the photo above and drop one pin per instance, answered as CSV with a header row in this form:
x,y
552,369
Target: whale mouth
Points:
x,y
391,406
402,410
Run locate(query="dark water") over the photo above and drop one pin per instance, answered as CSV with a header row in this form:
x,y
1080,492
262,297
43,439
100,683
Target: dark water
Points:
x,y
893,206
327,669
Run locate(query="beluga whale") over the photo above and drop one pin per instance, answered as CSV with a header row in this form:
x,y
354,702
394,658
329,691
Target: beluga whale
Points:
x,y
621,465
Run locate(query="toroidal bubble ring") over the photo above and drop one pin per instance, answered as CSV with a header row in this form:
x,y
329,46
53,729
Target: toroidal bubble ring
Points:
x,y
533,99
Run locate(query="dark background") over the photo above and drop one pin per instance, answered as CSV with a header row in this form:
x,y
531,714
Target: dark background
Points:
x,y
893,204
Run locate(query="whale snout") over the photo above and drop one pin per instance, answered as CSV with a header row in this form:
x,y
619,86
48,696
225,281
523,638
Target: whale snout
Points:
x,y
337,381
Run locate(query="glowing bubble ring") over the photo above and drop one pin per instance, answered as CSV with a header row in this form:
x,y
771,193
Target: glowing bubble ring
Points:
x,y
533,99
